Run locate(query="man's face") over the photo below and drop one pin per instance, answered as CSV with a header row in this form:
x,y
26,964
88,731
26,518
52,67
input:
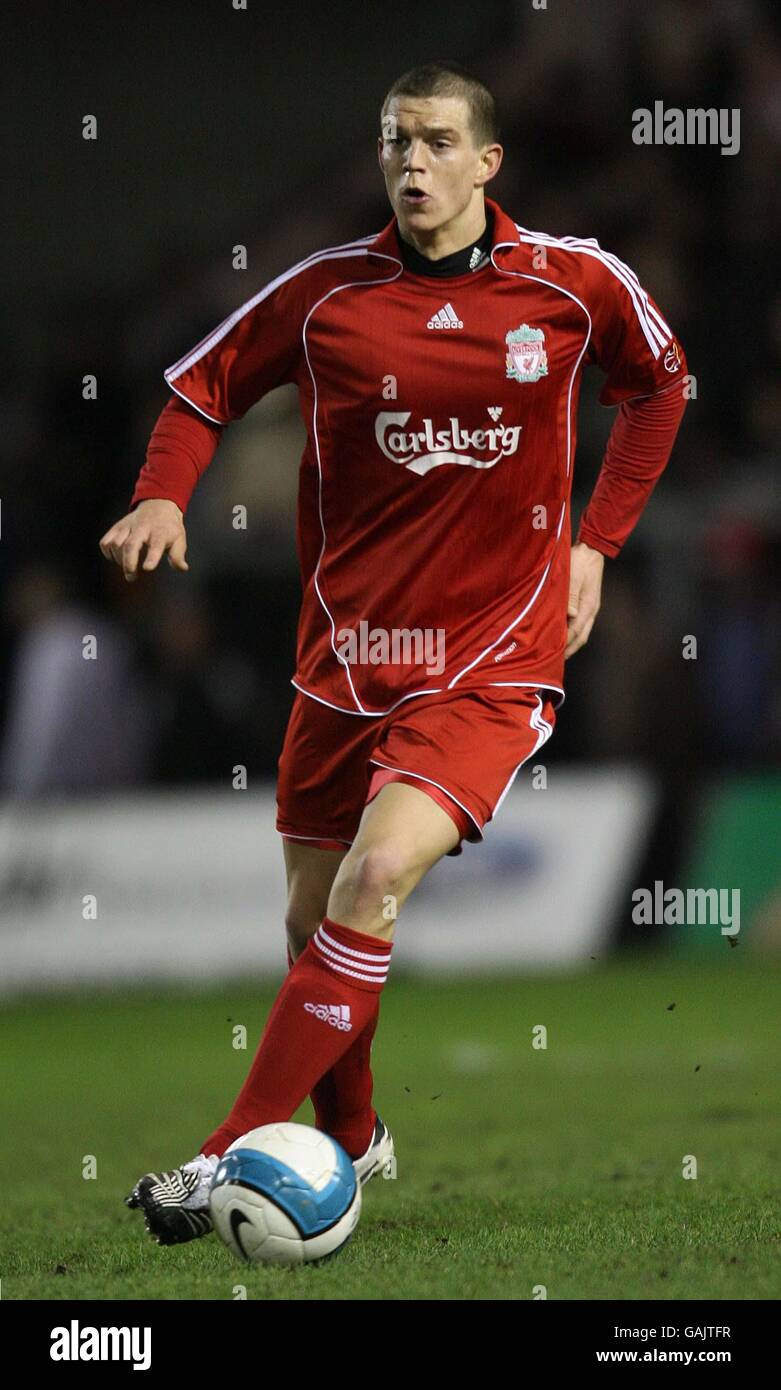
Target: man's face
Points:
x,y
426,145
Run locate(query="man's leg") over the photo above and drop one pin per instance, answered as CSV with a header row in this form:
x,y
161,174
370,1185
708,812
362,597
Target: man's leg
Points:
x,y
342,1097
403,833
310,875
343,966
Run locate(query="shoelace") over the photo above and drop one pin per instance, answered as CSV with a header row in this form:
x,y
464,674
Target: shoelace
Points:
x,y
202,1165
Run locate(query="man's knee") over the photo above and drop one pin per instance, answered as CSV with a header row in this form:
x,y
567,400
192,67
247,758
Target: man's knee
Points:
x,y
301,923
370,874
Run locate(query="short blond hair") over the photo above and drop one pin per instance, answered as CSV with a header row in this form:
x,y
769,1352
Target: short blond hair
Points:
x,y
451,80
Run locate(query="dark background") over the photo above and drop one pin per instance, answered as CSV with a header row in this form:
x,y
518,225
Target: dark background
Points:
x,y
218,127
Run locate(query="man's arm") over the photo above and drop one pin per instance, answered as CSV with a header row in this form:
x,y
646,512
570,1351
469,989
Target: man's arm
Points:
x,y
637,452
181,447
255,349
646,370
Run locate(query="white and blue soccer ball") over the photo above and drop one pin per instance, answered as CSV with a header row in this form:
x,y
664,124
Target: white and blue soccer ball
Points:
x,y
285,1194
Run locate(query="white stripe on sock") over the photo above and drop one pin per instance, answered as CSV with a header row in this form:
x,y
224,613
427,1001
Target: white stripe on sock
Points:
x,y
322,934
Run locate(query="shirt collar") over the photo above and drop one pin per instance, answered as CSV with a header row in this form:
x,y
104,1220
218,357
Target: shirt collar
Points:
x,y
386,244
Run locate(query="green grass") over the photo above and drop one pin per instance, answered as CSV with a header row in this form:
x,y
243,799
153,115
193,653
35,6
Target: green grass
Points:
x,y
516,1167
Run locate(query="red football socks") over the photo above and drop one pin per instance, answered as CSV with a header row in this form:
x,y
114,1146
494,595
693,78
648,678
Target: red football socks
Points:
x,y
329,998
342,1098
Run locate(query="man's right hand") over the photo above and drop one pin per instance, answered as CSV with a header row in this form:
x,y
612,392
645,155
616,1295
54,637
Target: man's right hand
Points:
x,y
158,525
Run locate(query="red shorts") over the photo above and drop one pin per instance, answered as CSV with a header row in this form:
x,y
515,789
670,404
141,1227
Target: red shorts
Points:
x,y
464,749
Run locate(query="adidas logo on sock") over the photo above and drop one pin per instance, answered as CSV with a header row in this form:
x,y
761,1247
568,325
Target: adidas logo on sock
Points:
x,y
338,1015
446,317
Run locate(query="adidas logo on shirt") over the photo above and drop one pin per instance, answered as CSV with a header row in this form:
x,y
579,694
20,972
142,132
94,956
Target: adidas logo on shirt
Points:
x,y
338,1015
446,317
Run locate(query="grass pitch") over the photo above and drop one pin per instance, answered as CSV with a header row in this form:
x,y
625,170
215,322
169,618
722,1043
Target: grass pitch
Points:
x,y
518,1167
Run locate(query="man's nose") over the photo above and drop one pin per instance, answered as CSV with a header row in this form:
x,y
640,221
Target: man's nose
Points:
x,y
415,155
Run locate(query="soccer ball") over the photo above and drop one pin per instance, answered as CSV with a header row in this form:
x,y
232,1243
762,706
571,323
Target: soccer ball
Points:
x,y
285,1194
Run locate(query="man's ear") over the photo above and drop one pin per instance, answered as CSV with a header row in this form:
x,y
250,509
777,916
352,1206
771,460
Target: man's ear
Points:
x,y
491,161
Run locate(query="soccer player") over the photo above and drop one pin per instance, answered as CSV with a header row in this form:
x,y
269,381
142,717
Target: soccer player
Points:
x,y
438,364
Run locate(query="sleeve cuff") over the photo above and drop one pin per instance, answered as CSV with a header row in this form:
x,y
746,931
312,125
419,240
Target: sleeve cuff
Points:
x,y
608,548
153,494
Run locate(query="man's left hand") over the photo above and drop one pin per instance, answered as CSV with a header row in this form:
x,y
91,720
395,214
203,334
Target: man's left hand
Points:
x,y
585,590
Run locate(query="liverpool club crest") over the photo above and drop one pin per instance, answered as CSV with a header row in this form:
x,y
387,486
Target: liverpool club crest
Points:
x,y
526,357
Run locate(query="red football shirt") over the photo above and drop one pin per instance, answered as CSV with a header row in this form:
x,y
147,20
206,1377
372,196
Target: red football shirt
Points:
x,y
433,525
